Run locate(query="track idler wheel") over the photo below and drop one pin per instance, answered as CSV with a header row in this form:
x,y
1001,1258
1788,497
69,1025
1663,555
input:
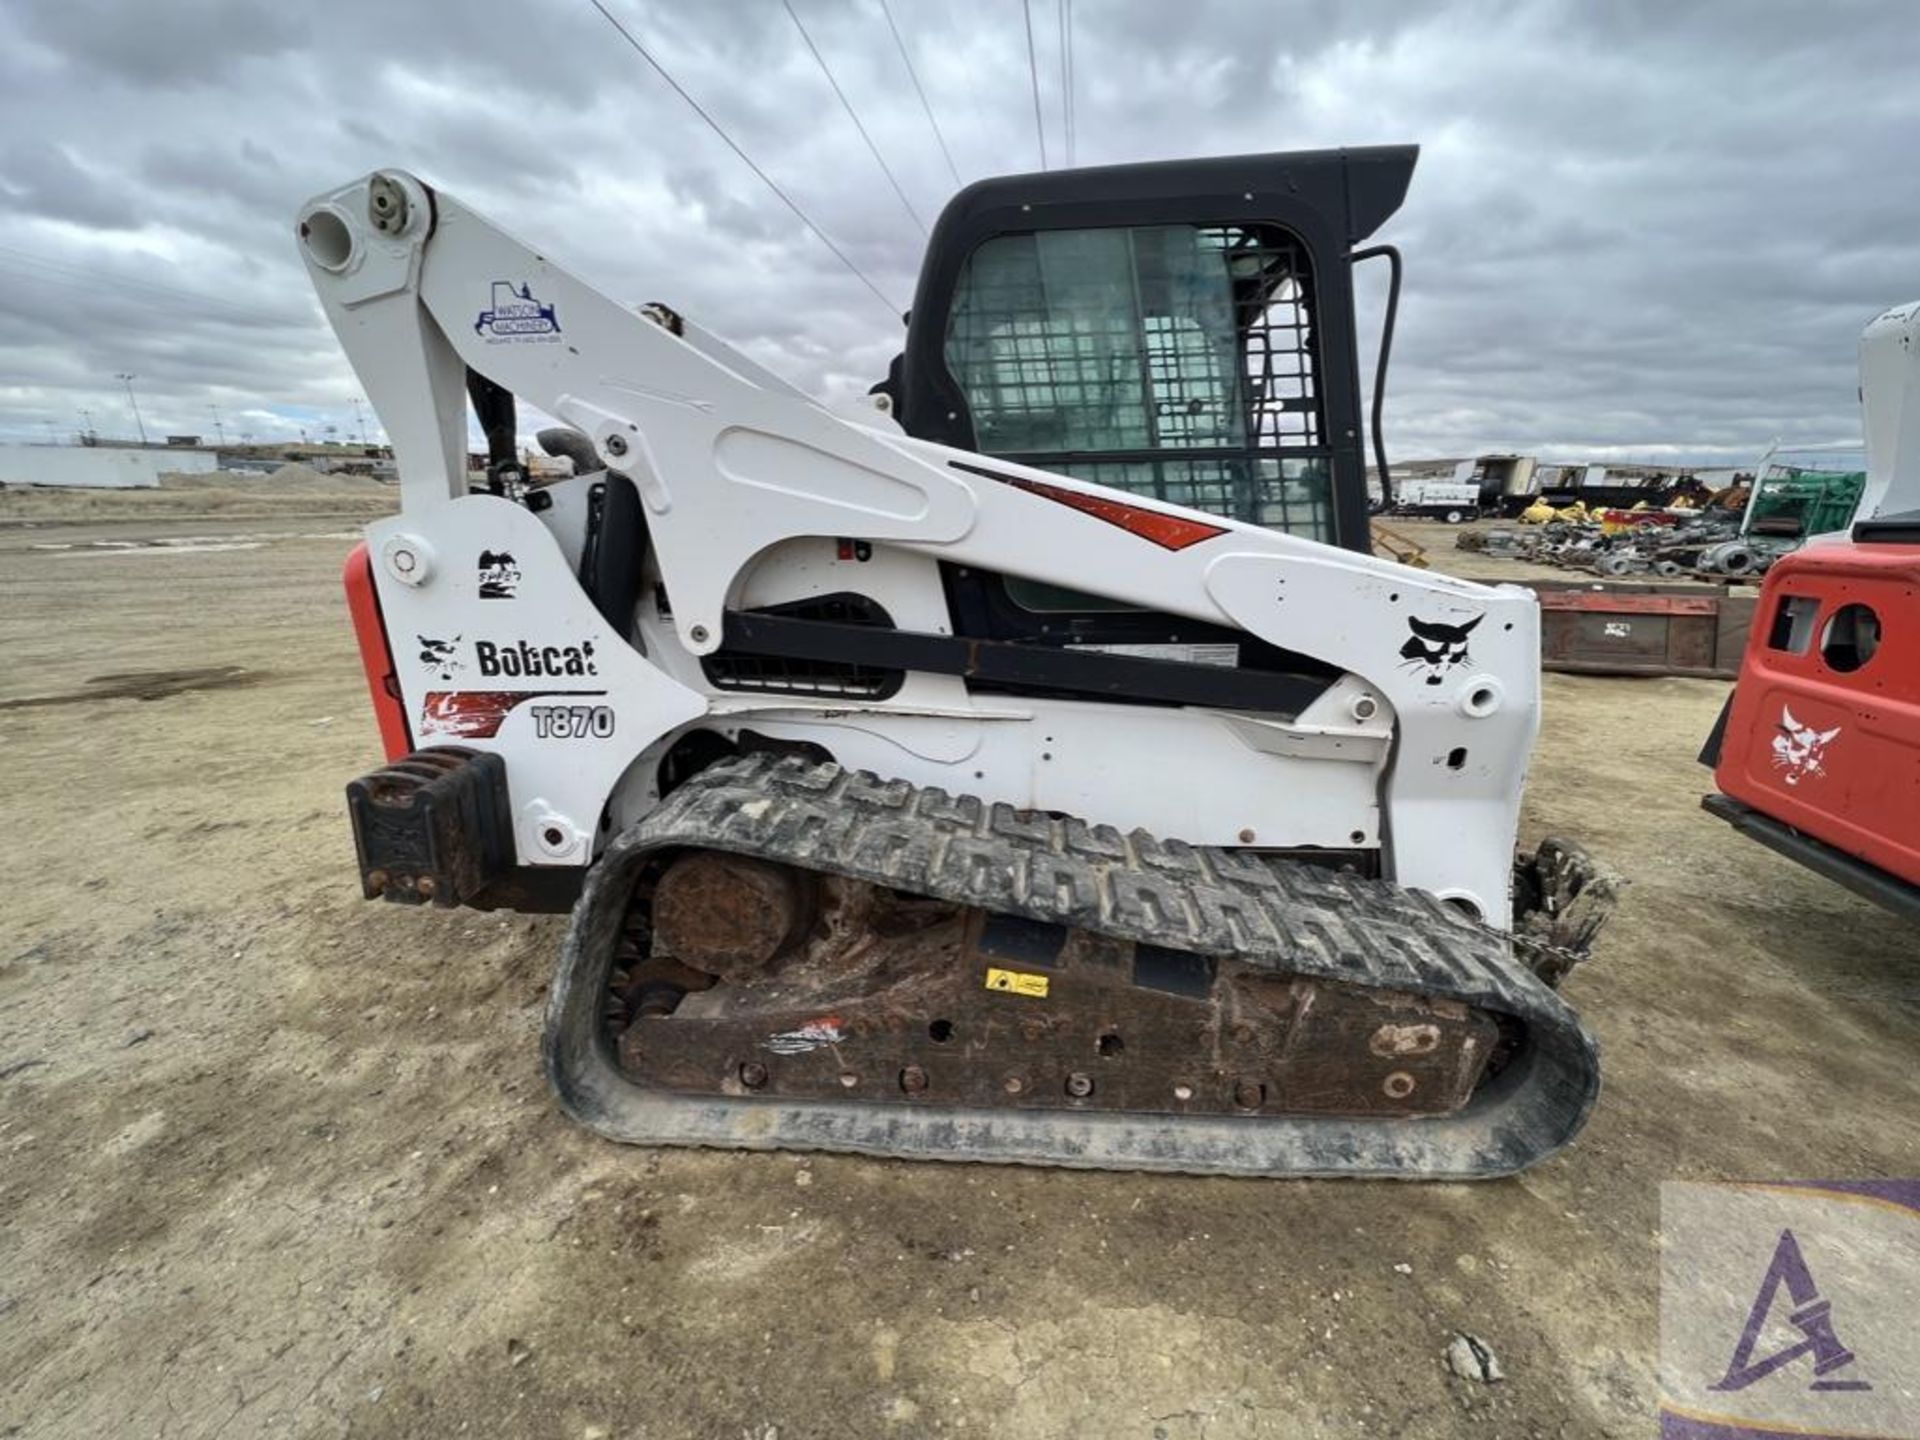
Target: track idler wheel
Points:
x,y
732,916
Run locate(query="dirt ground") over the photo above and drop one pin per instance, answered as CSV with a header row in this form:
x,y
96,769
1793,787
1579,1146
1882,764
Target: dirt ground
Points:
x,y
291,492
276,1161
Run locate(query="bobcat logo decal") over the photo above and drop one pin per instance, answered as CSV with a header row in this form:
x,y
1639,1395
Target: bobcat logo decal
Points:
x,y
1436,648
499,575
1798,749
441,656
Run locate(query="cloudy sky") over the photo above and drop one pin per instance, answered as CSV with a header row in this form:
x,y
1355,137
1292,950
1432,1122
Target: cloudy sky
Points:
x,y
1637,229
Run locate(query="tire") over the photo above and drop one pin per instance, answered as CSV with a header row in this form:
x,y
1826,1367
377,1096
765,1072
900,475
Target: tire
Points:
x,y
1454,517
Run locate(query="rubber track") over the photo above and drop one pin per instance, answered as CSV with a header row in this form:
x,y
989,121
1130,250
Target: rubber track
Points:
x,y
1281,915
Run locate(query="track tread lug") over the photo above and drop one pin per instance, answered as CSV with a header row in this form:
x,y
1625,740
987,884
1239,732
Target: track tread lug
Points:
x,y
1022,826
1095,842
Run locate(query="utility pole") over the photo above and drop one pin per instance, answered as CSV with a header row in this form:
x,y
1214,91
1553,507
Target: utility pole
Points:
x,y
359,421
218,430
139,424
86,426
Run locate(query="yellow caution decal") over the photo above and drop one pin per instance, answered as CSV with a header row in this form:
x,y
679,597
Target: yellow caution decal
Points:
x,y
1018,982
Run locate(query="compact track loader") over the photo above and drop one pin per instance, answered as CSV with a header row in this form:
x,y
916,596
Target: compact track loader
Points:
x,y
1025,763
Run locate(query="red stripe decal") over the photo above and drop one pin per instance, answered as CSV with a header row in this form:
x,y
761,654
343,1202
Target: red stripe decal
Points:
x,y
1170,532
468,714
479,714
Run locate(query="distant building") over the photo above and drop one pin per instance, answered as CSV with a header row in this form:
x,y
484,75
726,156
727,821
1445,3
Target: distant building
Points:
x,y
98,467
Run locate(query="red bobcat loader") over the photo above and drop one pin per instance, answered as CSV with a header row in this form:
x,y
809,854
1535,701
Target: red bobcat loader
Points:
x,y
1025,762
1817,753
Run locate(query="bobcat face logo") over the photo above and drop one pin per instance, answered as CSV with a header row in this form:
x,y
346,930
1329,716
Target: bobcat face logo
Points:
x,y
1798,749
441,656
1435,648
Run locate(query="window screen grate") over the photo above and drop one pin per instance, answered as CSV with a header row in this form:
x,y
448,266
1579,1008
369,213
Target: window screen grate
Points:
x,y
1172,360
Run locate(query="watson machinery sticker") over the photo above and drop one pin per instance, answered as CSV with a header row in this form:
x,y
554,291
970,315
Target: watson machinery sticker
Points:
x,y
516,314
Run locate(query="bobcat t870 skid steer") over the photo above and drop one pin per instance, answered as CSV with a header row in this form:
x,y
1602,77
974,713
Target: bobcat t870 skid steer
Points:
x,y
1026,763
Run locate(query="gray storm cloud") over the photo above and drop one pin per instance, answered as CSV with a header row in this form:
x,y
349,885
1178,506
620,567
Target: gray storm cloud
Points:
x,y
1634,227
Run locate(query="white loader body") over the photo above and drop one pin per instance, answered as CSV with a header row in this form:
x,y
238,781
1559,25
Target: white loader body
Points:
x,y
1418,749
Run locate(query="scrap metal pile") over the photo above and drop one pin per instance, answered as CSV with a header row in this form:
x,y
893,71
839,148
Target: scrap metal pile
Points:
x,y
1670,544
1737,535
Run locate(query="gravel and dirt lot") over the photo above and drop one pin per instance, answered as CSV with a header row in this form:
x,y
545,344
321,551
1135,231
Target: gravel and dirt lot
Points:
x,y
276,1161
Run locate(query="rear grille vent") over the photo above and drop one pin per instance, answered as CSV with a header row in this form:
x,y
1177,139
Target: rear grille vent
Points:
x,y
728,669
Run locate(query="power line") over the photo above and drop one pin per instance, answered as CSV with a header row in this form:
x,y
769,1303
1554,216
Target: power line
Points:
x,y
127,379
925,104
1066,74
1066,136
746,159
1033,72
847,105
61,272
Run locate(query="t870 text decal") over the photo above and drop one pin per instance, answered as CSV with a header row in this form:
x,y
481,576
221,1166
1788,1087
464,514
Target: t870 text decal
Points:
x,y
571,722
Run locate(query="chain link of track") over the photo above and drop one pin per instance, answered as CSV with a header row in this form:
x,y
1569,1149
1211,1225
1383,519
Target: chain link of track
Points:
x,y
1275,914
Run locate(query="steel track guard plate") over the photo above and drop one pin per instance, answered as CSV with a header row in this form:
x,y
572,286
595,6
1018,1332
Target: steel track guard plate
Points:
x,y
1288,917
1009,1013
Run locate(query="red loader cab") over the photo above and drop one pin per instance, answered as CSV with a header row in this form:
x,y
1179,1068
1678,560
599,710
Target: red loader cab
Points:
x,y
1817,754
